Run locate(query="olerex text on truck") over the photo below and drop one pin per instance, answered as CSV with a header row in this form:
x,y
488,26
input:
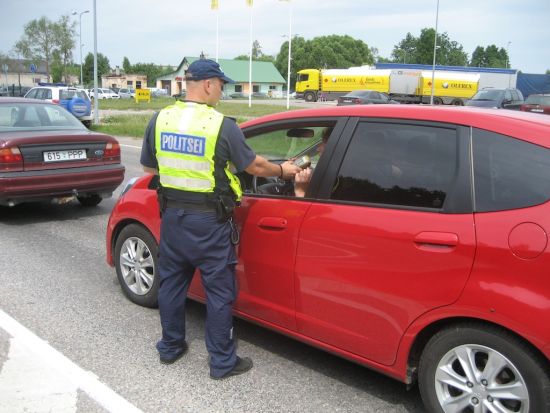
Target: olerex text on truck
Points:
x,y
403,85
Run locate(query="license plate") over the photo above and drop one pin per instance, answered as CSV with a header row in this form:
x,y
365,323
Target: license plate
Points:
x,y
61,156
537,110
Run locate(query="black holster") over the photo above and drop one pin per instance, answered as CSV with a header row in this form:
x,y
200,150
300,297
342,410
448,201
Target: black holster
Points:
x,y
162,200
225,205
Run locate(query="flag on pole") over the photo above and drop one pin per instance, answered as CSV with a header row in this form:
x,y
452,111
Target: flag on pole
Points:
x,y
249,3
214,5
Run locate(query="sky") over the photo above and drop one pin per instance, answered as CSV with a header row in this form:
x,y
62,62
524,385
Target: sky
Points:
x,y
165,31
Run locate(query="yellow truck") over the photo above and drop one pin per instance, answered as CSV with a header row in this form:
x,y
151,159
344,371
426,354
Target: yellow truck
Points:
x,y
402,85
329,84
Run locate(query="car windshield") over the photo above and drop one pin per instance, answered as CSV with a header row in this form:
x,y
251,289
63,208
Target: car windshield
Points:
x,y
16,116
487,95
538,100
358,94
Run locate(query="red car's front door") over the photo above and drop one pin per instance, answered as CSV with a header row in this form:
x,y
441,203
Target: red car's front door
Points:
x,y
267,251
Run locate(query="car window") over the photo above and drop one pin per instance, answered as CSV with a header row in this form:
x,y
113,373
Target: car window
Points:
x,y
508,173
514,95
19,116
44,94
66,94
507,95
82,94
538,100
398,164
277,145
32,94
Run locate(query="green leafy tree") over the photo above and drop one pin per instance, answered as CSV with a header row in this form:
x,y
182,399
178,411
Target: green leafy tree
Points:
x,y
151,70
126,66
49,42
103,68
64,33
490,56
333,52
257,54
419,50
405,51
38,42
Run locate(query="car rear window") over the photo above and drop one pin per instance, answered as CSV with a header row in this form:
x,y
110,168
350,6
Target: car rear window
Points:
x,y
17,116
508,173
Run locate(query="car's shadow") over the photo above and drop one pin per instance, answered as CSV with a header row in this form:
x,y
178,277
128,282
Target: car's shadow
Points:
x,y
37,212
336,368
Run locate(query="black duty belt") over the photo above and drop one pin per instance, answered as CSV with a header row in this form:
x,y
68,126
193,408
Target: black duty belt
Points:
x,y
191,206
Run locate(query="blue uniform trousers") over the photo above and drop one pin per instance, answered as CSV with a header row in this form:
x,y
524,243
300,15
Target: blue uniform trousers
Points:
x,y
190,240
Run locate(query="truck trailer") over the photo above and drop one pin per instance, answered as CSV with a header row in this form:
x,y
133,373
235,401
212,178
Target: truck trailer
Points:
x,y
406,86
403,83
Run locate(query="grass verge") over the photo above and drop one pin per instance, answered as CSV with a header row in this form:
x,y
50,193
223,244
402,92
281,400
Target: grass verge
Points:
x,y
134,124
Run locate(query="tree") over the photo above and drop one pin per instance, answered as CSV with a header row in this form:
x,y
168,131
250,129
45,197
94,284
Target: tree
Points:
x,y
38,42
257,54
419,50
126,66
48,42
64,33
151,70
103,67
490,56
332,52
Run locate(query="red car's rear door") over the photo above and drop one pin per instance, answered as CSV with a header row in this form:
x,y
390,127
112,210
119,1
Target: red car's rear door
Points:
x,y
393,238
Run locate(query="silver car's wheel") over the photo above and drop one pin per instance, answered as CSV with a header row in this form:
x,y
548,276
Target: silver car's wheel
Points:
x,y
136,262
473,368
479,379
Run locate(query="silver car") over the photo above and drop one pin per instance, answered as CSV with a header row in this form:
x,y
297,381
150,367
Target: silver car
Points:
x,y
127,93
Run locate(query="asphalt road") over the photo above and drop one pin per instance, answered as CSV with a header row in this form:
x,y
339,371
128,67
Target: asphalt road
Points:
x,y
55,283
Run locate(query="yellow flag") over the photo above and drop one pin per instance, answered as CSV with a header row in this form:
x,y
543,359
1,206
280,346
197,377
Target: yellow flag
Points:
x,y
214,5
249,2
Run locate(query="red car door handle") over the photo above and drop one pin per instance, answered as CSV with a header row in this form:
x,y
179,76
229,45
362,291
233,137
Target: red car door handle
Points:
x,y
436,239
272,223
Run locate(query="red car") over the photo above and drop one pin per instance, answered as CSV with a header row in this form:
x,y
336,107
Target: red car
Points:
x,y
47,154
537,104
420,248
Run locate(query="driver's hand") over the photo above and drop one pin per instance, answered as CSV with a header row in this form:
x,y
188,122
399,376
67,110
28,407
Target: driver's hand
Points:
x,y
289,169
304,176
301,181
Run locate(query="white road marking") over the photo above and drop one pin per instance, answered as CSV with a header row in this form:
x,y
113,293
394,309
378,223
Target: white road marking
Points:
x,y
38,378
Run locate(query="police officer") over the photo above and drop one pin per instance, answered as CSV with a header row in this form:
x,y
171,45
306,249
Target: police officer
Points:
x,y
190,145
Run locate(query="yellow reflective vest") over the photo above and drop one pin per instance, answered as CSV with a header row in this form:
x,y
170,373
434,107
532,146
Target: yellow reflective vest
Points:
x,y
185,140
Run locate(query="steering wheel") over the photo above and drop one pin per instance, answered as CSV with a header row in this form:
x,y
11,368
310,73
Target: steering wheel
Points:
x,y
269,181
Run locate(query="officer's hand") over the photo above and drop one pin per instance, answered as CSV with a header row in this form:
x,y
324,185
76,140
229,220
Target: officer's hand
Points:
x,y
289,169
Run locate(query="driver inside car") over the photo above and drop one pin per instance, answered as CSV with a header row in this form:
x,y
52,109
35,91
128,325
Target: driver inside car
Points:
x,y
302,178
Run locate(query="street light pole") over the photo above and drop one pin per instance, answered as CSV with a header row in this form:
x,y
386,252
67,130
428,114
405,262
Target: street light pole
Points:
x,y
507,56
80,39
96,95
289,55
435,49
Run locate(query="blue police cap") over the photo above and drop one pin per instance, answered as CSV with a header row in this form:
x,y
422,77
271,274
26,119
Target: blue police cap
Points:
x,y
205,69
